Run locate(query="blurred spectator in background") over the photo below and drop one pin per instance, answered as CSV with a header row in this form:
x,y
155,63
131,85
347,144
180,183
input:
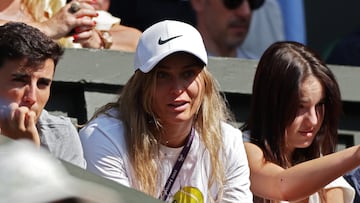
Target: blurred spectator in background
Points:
x,y
245,28
353,177
103,5
293,13
141,14
266,27
264,17
75,21
224,25
345,51
42,15
276,20
122,37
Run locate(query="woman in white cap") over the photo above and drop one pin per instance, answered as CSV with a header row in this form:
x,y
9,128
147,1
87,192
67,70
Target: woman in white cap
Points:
x,y
167,133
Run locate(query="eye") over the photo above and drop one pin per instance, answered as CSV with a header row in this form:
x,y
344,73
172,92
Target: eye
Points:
x,y
162,74
43,83
301,109
189,74
320,106
20,80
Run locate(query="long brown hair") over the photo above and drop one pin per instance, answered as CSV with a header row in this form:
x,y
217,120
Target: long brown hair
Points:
x,y
275,98
276,92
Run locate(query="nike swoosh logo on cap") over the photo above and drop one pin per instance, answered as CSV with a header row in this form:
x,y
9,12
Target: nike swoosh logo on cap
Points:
x,y
160,42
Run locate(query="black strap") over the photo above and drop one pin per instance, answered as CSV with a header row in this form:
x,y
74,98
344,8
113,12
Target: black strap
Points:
x,y
179,162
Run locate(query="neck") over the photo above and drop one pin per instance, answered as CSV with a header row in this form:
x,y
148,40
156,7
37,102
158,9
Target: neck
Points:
x,y
217,50
175,135
289,153
216,47
13,10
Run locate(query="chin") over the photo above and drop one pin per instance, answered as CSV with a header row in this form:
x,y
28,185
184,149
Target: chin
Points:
x,y
181,119
305,145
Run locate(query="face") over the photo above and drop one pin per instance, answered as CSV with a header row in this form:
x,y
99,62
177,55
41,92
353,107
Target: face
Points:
x,y
26,86
310,115
101,5
226,27
179,89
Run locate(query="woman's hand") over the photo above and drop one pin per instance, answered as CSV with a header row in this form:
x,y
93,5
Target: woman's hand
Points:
x,y
88,38
64,21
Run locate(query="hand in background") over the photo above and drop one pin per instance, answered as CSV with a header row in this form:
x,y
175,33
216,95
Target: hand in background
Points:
x,y
64,21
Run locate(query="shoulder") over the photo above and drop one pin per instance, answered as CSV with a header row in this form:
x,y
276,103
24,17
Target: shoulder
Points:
x,y
233,142
229,129
104,146
46,119
106,126
53,127
107,121
230,133
251,147
60,136
254,154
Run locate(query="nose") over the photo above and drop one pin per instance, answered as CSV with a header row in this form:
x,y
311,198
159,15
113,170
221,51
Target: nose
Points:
x,y
177,86
30,95
313,116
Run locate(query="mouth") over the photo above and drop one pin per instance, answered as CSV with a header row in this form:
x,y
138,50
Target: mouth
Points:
x,y
307,133
239,25
178,106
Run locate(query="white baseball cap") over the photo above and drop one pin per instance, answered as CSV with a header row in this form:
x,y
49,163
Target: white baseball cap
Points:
x,y
164,38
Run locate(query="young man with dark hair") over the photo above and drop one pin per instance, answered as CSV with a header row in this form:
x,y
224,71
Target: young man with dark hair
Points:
x,y
27,64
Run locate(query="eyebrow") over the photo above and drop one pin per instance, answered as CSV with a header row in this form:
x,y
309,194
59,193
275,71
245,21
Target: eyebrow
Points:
x,y
307,100
20,75
24,75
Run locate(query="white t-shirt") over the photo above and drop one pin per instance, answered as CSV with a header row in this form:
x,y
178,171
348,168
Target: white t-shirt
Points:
x,y
106,155
349,192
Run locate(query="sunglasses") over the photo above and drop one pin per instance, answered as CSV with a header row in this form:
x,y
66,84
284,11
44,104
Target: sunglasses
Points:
x,y
233,4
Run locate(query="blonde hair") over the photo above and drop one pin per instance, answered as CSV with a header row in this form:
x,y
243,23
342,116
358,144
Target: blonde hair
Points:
x,y
142,128
42,10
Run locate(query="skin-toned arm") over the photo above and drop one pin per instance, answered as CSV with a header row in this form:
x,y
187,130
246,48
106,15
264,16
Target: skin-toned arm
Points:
x,y
125,38
334,195
63,22
274,182
19,123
